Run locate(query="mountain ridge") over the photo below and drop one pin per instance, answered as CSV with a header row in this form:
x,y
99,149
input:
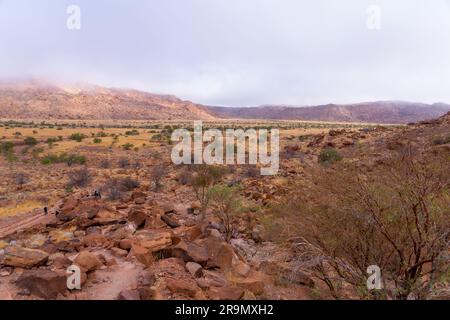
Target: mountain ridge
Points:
x,y
401,112
38,99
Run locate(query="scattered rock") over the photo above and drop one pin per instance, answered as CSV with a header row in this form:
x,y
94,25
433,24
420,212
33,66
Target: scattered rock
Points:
x,y
169,221
129,295
88,261
181,287
154,240
190,252
16,256
257,233
137,216
95,240
43,283
143,255
194,269
125,244
119,252
226,293
241,269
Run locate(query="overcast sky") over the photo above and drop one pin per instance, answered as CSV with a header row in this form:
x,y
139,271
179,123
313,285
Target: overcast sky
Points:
x,y
237,52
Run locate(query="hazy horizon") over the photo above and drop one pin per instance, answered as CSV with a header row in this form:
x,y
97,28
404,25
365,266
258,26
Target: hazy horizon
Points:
x,y
235,53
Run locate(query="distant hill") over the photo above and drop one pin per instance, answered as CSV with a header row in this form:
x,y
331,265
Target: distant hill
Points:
x,y
38,100
373,112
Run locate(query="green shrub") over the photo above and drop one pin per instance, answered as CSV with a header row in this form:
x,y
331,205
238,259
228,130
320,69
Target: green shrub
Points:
x,y
78,137
6,147
97,140
127,146
329,156
69,159
30,141
304,138
133,132
50,159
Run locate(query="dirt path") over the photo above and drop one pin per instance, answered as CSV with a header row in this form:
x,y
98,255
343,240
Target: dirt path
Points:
x,y
110,282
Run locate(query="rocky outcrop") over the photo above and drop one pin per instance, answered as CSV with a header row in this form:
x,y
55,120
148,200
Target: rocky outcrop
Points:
x,y
16,256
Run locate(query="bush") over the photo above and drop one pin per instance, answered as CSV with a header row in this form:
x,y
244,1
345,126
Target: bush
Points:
x,y
133,132
184,177
204,179
105,164
30,141
21,178
158,174
227,203
97,140
51,141
102,134
69,159
77,137
123,163
129,183
72,159
329,156
79,178
441,140
6,147
114,188
127,146
304,138
394,216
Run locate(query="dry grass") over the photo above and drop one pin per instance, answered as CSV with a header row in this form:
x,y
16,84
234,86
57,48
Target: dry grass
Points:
x,y
20,208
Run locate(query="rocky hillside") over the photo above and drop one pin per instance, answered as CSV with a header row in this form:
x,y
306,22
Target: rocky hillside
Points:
x,y
35,100
372,112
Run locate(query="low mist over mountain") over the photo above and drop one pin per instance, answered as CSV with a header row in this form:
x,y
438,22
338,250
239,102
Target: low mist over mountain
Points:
x,y
39,100
373,112
36,99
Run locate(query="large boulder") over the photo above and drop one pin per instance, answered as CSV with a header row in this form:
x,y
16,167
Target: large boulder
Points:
x,y
220,254
137,216
169,221
154,240
68,209
88,261
182,287
254,284
16,256
190,252
95,240
212,279
143,255
107,216
45,284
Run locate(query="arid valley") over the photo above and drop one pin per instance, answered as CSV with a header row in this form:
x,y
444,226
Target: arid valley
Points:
x,y
346,196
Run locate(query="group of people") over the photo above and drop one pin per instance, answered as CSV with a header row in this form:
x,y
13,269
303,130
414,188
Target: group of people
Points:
x,y
96,195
